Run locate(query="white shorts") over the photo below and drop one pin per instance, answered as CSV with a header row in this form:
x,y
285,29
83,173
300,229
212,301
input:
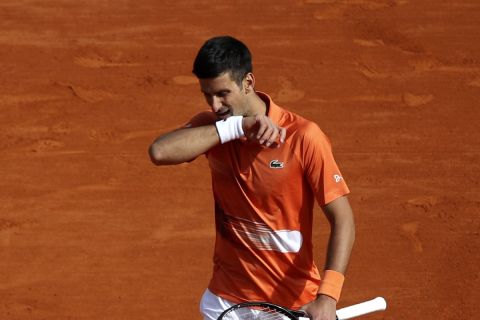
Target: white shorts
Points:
x,y
212,306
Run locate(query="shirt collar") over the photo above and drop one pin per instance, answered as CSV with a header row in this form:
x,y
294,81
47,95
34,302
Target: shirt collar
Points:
x,y
274,112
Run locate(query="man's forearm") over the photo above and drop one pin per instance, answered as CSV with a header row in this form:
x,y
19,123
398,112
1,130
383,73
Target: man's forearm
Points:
x,y
340,246
183,145
342,235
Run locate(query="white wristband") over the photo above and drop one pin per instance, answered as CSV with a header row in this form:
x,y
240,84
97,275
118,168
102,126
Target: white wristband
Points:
x,y
230,128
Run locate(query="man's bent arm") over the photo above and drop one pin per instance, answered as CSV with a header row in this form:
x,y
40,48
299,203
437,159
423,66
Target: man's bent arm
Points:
x,y
186,144
342,237
183,145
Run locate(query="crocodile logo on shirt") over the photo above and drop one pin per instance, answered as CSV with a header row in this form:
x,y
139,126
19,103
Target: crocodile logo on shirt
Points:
x,y
275,164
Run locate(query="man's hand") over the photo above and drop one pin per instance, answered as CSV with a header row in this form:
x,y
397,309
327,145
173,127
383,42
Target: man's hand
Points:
x,y
322,308
261,128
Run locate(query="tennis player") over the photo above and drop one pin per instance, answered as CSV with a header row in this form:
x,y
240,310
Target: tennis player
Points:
x,y
268,167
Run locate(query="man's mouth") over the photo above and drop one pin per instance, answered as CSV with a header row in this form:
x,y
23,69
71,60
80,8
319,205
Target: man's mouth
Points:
x,y
223,113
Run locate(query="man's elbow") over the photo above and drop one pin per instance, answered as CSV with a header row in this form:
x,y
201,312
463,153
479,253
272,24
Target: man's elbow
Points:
x,y
161,157
157,156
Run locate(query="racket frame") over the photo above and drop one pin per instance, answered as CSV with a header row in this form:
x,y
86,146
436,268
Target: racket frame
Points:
x,y
292,314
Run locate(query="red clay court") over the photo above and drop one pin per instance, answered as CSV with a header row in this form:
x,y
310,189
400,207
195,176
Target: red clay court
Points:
x,y
90,229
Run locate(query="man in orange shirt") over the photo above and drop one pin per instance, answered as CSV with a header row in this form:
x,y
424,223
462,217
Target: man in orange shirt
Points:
x,y
268,167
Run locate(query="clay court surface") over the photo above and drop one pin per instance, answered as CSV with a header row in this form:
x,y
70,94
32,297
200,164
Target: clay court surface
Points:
x,y
90,229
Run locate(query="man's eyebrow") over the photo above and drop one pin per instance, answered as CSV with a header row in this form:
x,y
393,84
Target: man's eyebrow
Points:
x,y
217,92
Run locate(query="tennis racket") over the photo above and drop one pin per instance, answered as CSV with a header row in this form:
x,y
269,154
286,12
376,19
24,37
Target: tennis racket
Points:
x,y
270,311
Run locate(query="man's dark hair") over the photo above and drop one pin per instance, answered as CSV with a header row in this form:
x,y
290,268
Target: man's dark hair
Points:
x,y
223,54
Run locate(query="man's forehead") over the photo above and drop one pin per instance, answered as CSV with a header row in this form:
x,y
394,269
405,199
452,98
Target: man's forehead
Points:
x,y
223,81
226,76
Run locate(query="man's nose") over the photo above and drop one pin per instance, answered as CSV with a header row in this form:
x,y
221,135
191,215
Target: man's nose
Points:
x,y
216,104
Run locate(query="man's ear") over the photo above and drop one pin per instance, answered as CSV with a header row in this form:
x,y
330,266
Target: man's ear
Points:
x,y
249,82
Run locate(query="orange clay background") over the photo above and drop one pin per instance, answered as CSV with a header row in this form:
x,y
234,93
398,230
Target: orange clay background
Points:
x,y
90,229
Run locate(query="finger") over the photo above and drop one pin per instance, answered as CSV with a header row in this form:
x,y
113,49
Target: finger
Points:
x,y
262,127
283,135
265,127
273,136
266,135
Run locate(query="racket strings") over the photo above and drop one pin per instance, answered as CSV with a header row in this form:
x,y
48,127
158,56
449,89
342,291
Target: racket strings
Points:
x,y
256,313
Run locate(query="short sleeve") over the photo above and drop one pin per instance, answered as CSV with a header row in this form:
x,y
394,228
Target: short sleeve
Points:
x,y
320,167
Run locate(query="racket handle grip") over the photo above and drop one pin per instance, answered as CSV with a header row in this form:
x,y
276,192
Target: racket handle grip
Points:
x,y
377,304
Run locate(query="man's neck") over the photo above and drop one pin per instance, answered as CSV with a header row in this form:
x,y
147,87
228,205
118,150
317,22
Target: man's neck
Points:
x,y
258,105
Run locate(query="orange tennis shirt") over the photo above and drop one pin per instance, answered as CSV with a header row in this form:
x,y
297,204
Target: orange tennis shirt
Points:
x,y
264,200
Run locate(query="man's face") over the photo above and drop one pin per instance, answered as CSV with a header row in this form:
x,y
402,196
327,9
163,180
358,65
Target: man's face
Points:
x,y
224,96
